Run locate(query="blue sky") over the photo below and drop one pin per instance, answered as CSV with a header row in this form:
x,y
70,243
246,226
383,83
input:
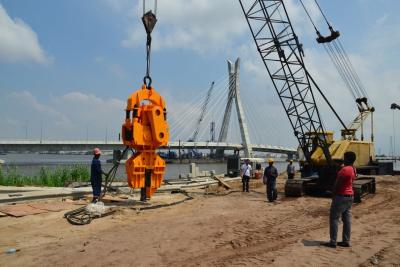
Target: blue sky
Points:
x,y
70,65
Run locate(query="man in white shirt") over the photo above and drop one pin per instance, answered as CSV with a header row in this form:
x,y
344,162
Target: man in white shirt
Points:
x,y
246,172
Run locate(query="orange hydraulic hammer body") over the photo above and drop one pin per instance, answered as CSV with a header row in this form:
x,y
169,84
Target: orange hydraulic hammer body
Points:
x,y
145,129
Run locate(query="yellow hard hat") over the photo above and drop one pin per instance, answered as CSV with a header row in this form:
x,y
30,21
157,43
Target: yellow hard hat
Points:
x,y
270,160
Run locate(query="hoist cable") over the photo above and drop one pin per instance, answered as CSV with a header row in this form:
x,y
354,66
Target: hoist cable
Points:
x,y
340,71
320,9
346,74
348,70
305,9
357,78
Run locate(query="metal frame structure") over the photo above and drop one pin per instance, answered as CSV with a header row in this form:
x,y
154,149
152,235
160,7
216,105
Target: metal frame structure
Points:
x,y
282,55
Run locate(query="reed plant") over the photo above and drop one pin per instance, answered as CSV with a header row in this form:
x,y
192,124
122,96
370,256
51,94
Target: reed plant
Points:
x,y
59,177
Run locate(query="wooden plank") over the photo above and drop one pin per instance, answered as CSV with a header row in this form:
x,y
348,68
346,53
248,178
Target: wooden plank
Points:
x,y
20,210
227,186
55,207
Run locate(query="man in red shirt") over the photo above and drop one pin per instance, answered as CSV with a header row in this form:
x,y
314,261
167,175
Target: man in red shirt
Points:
x,y
342,202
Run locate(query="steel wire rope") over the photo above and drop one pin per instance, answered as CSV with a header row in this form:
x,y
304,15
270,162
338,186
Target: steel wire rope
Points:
x,y
339,69
251,125
274,131
186,118
233,129
215,108
189,125
216,105
185,124
223,105
182,120
311,20
347,70
340,64
252,121
195,103
211,105
346,60
320,9
355,74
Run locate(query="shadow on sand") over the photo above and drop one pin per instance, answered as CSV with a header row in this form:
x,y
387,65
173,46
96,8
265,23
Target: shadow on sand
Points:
x,y
312,243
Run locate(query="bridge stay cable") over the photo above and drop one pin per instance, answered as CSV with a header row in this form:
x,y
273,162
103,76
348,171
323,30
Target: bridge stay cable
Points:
x,y
185,118
184,123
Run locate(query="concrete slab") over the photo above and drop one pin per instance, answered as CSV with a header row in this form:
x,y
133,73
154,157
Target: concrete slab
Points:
x,y
20,210
45,193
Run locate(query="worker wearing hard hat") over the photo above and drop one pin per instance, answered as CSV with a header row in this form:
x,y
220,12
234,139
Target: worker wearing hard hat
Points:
x,y
246,172
269,179
95,174
290,170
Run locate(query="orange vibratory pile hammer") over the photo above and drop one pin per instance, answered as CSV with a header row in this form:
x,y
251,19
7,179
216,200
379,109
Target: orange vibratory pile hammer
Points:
x,y
145,129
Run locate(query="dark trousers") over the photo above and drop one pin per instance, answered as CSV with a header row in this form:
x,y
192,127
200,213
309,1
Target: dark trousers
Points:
x,y
290,176
245,182
272,193
340,207
96,186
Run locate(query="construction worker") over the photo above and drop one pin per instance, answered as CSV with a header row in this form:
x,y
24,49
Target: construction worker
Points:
x,y
342,201
95,174
245,173
270,174
290,170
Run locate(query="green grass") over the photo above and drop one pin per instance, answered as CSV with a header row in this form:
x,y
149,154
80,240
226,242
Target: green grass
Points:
x,y
58,178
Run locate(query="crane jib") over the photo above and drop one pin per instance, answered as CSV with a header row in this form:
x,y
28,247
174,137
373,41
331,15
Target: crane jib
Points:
x,y
281,53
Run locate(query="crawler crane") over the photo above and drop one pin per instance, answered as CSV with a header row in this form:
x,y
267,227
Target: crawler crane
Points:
x,y
282,55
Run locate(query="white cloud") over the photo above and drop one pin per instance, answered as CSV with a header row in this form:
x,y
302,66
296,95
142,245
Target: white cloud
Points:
x,y
203,26
18,42
64,117
29,102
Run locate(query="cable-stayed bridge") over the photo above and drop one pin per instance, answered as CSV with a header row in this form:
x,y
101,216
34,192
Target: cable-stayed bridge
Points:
x,y
55,146
216,120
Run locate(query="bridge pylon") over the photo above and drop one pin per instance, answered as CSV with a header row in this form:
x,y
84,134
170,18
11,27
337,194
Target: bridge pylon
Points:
x,y
234,95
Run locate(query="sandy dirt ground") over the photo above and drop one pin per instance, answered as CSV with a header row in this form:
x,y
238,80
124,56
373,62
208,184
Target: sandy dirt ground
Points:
x,y
238,229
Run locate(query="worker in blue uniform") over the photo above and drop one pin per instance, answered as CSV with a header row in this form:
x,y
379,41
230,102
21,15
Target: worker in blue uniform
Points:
x,y
269,179
96,175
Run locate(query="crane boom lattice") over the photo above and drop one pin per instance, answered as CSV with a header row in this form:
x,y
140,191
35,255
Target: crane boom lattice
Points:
x,y
282,55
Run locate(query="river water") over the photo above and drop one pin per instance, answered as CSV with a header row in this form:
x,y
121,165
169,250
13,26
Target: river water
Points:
x,y
30,164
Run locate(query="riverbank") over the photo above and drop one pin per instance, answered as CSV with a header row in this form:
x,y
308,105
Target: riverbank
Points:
x,y
59,177
225,229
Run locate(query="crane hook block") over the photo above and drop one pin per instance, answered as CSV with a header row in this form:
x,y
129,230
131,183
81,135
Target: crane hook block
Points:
x,y
145,129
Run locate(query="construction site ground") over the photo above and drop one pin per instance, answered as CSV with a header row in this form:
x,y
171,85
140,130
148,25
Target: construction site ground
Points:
x,y
229,229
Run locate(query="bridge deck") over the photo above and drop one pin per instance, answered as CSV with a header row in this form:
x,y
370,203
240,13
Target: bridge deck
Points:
x,y
40,146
